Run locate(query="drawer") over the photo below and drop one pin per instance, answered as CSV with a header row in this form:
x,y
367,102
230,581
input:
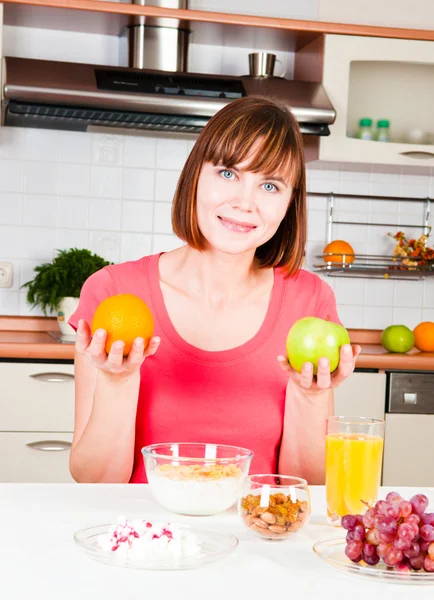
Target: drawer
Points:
x,y
35,457
36,397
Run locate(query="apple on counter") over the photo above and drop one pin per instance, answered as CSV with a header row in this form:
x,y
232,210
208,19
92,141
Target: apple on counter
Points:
x,y
311,338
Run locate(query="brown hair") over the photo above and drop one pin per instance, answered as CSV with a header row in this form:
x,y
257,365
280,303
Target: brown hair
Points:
x,y
227,139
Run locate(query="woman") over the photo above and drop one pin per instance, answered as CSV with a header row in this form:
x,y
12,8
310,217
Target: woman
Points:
x,y
223,305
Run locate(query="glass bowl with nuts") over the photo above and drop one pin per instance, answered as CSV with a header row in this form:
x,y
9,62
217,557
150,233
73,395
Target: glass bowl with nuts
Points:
x,y
274,506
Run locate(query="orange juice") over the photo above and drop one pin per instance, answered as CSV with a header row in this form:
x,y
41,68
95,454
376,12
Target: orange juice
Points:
x,y
353,470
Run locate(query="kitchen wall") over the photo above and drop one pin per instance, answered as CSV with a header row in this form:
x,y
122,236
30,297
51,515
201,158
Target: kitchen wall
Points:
x,y
112,193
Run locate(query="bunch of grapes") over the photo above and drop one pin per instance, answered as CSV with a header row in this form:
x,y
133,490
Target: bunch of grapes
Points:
x,y
397,531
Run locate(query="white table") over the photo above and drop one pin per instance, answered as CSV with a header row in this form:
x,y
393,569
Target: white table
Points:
x,y
39,559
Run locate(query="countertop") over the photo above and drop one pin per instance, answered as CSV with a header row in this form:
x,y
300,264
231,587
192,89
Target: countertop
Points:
x,y
40,559
28,338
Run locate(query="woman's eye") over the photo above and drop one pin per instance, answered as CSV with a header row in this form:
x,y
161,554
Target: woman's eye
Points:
x,y
270,187
226,174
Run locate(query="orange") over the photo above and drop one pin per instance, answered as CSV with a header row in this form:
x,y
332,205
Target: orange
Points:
x,y
424,336
340,250
125,317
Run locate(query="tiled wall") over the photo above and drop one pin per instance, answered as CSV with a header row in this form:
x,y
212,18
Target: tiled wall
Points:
x,y
112,194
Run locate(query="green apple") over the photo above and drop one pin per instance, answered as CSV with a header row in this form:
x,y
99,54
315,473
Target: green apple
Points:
x,y
311,338
397,338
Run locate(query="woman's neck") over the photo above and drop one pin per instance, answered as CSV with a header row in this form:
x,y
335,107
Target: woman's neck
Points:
x,y
217,278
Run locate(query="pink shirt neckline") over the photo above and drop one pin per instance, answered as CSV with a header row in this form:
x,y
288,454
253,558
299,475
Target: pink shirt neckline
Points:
x,y
220,356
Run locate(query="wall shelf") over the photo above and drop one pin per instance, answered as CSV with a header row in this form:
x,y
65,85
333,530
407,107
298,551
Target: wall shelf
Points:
x,y
109,17
373,266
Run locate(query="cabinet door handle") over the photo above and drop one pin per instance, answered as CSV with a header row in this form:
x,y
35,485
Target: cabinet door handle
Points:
x,y
53,377
422,154
49,445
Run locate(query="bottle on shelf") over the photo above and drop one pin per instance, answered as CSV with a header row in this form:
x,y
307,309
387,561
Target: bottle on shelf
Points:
x,y
365,129
383,131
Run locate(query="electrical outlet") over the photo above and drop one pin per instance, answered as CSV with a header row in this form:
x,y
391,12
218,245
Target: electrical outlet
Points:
x,y
6,274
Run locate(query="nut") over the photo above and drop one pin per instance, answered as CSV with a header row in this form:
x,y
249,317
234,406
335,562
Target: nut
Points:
x,y
268,518
259,510
260,523
277,528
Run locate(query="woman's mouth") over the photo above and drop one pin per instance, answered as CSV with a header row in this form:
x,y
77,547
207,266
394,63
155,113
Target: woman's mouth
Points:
x,y
238,226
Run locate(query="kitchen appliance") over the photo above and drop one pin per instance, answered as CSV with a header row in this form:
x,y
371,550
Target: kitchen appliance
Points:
x,y
77,97
154,92
262,64
409,437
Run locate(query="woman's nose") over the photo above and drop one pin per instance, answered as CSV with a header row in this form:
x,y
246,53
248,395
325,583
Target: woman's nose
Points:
x,y
243,199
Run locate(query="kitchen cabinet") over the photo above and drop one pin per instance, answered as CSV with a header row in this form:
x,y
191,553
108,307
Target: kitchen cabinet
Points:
x,y
362,395
379,78
389,13
36,421
409,450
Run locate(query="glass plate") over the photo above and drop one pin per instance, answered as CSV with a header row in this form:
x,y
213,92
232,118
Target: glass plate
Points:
x,y
213,546
333,552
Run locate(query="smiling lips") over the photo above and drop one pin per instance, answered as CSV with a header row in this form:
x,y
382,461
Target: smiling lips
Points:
x,y
238,226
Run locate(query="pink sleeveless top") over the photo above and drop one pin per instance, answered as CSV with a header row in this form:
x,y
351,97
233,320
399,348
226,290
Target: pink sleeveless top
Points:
x,y
234,396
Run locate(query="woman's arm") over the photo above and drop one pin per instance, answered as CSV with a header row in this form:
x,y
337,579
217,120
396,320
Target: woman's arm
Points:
x,y
106,395
302,450
309,402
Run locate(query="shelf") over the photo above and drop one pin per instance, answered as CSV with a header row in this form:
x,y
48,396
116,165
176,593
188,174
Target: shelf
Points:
x,y
374,267
208,27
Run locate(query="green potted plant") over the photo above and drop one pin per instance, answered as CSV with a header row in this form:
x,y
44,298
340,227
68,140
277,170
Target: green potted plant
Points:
x,y
57,284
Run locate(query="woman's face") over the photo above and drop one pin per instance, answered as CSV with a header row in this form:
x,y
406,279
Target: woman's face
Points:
x,y
239,210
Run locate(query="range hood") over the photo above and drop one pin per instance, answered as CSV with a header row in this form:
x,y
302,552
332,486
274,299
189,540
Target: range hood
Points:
x,y
78,97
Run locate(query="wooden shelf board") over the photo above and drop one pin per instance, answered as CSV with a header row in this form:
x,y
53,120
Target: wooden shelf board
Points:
x,y
207,27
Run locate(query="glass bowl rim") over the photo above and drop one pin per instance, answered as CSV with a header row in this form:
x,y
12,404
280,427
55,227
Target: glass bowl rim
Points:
x,y
242,453
301,483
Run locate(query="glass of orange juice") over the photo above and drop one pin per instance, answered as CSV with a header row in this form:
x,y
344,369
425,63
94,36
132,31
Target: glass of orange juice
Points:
x,y
354,454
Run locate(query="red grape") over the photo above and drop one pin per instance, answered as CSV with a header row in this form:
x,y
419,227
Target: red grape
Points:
x,y
424,545
387,525
402,544
417,562
393,512
382,549
354,550
394,498
403,566
431,550
412,551
349,522
369,549
427,518
405,531
419,503
369,518
405,508
358,533
372,536
428,564
427,533
371,560
393,556
387,538
381,507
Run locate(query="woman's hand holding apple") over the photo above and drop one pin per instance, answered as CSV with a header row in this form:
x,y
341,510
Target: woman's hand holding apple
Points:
x,y
323,380
320,355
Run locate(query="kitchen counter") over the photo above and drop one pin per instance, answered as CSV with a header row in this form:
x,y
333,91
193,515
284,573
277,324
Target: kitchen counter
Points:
x,y
28,338
38,552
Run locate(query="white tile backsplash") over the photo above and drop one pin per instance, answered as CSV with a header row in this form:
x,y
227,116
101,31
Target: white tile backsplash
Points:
x,y
41,177
11,208
138,184
40,210
137,216
11,176
113,194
